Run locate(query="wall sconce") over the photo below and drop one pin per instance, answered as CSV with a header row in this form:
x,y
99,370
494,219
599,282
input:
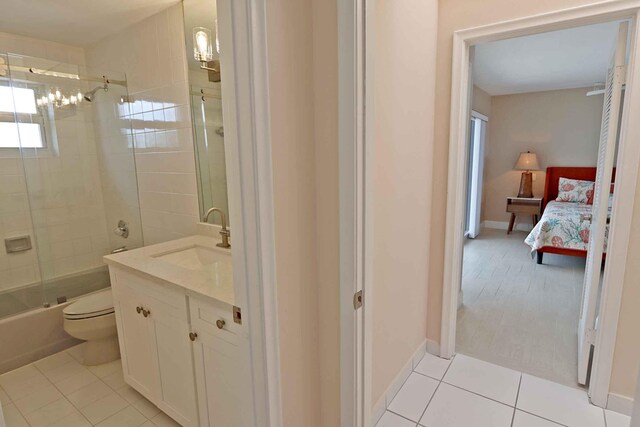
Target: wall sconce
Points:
x,y
203,48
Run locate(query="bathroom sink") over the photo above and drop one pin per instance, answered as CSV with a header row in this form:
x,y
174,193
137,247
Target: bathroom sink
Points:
x,y
193,257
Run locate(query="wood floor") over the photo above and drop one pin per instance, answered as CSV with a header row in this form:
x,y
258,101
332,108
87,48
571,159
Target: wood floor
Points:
x,y
516,313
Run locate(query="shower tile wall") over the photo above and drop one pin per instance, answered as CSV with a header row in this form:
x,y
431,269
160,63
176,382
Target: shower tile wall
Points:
x,y
69,222
152,53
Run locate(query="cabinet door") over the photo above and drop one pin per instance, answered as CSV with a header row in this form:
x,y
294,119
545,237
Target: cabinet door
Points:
x,y
222,377
175,362
137,345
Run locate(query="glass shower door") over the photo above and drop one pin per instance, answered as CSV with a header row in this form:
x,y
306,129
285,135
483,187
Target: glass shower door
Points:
x,y
79,168
20,278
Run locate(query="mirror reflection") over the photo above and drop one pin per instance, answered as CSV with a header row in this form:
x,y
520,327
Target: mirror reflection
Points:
x,y
204,76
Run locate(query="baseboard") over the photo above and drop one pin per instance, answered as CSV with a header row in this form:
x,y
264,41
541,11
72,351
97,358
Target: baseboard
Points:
x,y
433,347
619,403
381,405
504,225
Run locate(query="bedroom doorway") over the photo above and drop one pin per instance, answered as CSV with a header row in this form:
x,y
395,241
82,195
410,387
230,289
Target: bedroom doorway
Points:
x,y
523,314
514,311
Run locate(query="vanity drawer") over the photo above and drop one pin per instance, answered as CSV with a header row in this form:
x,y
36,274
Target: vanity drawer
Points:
x,y
170,301
205,317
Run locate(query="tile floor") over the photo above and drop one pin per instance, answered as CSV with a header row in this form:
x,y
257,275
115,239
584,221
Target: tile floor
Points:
x,y
58,391
468,392
516,313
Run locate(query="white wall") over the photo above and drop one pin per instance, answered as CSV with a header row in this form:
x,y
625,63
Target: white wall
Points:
x,y
404,100
152,53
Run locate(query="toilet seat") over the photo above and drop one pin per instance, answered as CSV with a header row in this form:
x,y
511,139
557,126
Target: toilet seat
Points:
x,y
94,305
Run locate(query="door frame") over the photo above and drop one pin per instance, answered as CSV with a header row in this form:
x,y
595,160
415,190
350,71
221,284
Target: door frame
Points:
x,y
249,173
355,71
626,179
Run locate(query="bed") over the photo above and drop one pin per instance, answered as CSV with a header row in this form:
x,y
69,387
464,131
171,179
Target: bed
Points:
x,y
561,229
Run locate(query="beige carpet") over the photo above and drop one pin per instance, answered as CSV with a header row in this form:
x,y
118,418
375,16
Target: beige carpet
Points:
x,y
516,313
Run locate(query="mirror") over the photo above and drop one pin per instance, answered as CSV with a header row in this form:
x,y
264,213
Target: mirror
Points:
x,y
206,105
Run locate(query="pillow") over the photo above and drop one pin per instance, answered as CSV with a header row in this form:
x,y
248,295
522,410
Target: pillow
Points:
x,y
575,191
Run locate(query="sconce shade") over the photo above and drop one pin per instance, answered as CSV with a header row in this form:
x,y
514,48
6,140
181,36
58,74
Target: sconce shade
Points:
x,y
202,48
527,162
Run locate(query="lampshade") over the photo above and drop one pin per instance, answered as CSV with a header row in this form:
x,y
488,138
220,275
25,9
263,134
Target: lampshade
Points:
x,y
527,162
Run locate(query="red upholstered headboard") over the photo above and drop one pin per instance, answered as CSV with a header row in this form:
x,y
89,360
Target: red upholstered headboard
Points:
x,y
554,174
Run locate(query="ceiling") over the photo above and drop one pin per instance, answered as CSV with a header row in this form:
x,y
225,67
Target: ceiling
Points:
x,y
572,58
75,22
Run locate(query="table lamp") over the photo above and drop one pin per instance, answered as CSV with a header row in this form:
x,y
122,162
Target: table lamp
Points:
x,y
527,162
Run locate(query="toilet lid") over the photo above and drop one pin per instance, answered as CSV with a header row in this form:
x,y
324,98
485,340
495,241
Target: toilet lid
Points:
x,y
93,305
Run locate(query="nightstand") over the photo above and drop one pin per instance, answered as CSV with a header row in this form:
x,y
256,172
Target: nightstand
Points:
x,y
524,205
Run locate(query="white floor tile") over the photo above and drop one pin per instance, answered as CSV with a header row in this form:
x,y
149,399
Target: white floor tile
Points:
x,y
147,408
64,372
54,361
74,420
50,413
23,382
487,379
76,381
433,366
389,419
164,420
77,352
522,419
115,380
19,375
615,419
37,399
89,394
103,408
558,403
129,394
414,396
106,369
13,417
454,407
128,417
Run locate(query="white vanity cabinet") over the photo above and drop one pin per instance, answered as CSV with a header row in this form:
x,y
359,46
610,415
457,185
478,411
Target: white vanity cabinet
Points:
x,y
153,331
222,374
183,352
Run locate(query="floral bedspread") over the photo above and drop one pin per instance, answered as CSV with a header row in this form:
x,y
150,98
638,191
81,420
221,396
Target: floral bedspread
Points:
x,y
560,226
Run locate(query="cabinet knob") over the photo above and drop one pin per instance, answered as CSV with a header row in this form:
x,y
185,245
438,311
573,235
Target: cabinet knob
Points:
x,y
146,313
193,336
139,309
220,323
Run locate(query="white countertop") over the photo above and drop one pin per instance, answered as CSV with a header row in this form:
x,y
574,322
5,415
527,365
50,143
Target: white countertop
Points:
x,y
213,280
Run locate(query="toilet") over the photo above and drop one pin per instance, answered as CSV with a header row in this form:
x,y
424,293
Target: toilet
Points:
x,y
92,318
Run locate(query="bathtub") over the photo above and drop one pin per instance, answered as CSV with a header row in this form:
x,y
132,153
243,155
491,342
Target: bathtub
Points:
x,y
37,333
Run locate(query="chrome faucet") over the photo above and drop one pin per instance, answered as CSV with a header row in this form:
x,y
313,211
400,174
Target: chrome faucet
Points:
x,y
224,232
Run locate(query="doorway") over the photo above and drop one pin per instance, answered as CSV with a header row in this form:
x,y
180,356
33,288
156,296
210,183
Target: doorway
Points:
x,y
600,344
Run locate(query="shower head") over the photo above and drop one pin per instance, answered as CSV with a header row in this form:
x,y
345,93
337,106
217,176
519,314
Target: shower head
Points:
x,y
92,93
